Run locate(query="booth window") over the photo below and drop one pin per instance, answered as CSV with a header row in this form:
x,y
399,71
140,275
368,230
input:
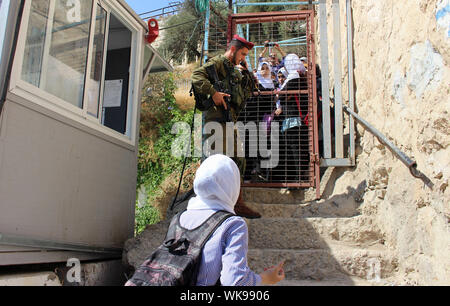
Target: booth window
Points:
x,y
95,79
56,49
117,77
81,61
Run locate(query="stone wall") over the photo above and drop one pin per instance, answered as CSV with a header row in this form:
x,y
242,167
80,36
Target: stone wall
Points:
x,y
402,77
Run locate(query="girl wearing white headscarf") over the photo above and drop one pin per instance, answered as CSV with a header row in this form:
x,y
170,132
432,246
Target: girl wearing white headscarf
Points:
x,y
264,76
217,185
294,67
224,257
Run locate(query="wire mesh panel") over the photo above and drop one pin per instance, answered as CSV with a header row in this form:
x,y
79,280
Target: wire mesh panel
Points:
x,y
283,108
218,27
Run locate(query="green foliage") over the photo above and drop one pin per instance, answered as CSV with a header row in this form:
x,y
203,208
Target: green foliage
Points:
x,y
183,34
155,161
144,216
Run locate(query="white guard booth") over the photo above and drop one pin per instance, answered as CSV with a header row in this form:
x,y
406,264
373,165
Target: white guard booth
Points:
x,y
71,74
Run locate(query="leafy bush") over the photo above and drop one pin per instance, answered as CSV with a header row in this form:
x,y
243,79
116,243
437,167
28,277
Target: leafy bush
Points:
x,y
155,161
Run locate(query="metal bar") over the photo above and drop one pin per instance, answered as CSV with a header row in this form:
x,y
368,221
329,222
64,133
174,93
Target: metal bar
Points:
x,y
216,12
14,10
256,58
216,26
241,34
399,154
282,15
285,45
175,5
177,25
248,33
231,28
275,3
167,13
326,122
149,66
248,39
87,75
53,245
47,44
294,44
351,88
315,140
217,45
205,47
336,162
339,130
279,185
408,162
296,171
274,18
301,38
284,92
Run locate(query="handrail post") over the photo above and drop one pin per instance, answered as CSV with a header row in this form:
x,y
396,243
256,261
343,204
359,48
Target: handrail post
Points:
x,y
411,164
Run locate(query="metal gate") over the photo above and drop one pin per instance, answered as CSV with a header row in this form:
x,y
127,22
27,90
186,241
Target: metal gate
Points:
x,y
289,36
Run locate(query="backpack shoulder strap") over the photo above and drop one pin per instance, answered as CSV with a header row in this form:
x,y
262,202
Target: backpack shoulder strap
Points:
x,y
173,226
210,226
202,233
199,235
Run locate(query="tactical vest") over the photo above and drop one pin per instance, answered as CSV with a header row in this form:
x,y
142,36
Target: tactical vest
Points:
x,y
232,80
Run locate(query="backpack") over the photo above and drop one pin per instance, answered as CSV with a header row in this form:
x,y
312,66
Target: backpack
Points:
x,y
176,262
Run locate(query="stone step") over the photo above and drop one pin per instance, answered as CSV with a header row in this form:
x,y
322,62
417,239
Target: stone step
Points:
x,y
335,207
266,195
30,279
310,233
278,195
338,261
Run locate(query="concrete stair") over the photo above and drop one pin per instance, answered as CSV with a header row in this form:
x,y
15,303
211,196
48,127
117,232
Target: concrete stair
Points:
x,y
348,281
322,242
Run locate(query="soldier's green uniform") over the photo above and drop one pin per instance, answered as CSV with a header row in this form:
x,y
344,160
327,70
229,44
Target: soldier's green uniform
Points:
x,y
240,85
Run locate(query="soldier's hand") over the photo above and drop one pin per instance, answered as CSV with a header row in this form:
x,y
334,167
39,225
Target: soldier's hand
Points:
x,y
218,99
244,64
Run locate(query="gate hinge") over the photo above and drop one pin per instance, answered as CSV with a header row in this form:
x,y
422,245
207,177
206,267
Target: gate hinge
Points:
x,y
315,159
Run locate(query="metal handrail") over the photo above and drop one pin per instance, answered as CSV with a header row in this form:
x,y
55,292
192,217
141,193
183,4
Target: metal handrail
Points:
x,y
410,163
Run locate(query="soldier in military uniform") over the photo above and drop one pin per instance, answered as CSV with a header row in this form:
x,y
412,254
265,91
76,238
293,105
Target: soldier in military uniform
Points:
x,y
232,71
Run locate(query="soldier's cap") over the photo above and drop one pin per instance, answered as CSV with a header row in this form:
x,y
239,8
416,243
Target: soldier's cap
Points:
x,y
248,45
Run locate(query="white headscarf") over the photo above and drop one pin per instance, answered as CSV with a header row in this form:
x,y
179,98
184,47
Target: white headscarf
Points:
x,y
267,83
284,72
293,66
217,185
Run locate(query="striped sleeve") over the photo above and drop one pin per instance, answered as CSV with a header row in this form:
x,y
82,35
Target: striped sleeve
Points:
x,y
235,269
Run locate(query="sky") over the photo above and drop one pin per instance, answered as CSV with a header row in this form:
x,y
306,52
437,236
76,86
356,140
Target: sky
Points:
x,y
142,6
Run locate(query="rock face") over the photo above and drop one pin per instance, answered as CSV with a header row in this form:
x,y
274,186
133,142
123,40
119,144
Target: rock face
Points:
x,y
402,77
